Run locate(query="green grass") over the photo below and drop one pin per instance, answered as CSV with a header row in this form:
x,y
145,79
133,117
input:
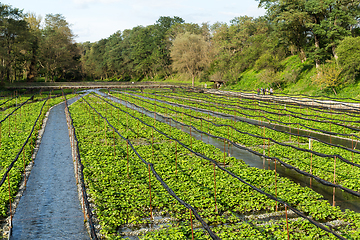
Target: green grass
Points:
x,y
295,78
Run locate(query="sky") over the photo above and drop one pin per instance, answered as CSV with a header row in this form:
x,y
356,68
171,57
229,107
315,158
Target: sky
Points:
x,y
93,20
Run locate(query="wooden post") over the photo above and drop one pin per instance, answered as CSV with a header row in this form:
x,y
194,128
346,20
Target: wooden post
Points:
x,y
352,147
334,181
201,128
152,143
224,151
311,157
127,124
215,189
114,144
264,140
170,131
287,222
9,124
151,214
182,120
289,128
229,140
330,121
276,208
334,168
298,136
176,153
190,138
192,229
127,151
24,167
8,177
105,130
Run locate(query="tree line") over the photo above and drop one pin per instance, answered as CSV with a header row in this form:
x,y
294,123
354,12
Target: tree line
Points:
x,y
323,34
29,50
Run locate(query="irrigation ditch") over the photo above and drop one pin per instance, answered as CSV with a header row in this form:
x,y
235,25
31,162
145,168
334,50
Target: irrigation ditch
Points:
x,y
326,136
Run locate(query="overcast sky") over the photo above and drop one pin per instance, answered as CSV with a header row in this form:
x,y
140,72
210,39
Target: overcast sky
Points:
x,y
92,20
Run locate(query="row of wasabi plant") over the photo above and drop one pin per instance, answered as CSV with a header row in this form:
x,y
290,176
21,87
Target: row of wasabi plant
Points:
x,y
119,185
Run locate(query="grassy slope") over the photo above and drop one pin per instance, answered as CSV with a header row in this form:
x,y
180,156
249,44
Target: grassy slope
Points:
x,y
299,78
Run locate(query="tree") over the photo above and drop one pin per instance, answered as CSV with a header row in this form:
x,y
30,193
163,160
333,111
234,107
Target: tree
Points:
x,y
349,57
238,46
59,54
13,35
190,54
328,76
322,23
161,52
33,22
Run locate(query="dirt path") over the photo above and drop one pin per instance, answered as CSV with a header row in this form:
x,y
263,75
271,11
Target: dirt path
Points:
x,y
49,207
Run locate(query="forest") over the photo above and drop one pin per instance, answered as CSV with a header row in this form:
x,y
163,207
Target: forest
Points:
x,y
322,35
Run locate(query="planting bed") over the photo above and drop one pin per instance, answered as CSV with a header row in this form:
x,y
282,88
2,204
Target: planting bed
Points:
x,y
148,179
21,117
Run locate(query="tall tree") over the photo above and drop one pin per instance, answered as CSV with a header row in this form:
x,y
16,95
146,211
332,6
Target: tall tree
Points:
x,y
161,53
238,46
190,54
323,23
59,53
33,22
13,34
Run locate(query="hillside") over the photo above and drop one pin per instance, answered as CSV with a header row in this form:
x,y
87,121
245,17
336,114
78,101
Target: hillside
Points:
x,y
293,77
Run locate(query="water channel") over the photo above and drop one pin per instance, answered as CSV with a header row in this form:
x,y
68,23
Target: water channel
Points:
x,y
342,199
349,143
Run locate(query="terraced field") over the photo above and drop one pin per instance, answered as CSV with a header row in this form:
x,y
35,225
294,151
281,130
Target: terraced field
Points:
x,y
150,172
